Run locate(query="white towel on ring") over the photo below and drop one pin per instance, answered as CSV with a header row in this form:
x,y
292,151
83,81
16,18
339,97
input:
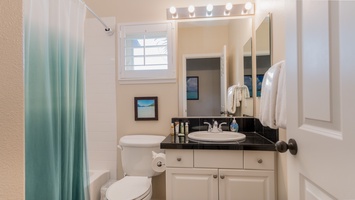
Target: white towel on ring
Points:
x,y
267,114
281,116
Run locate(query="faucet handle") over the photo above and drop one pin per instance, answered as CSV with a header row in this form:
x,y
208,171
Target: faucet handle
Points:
x,y
209,126
220,126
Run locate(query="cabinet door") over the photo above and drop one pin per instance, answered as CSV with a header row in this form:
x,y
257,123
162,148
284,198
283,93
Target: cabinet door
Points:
x,y
246,185
191,184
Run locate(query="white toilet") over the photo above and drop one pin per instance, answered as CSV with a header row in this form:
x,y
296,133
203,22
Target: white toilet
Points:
x,y
136,156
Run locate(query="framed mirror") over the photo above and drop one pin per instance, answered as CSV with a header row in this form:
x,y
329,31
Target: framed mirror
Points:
x,y
213,51
263,54
263,51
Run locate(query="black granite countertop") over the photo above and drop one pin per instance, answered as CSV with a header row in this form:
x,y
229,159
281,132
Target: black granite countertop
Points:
x,y
253,141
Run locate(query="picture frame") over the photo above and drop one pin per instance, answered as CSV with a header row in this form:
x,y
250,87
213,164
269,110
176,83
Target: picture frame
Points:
x,y
192,88
145,108
248,83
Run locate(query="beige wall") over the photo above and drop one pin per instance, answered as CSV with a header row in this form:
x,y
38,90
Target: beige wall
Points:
x,y
11,102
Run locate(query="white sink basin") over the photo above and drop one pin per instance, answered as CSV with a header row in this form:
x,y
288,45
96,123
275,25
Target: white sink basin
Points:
x,y
225,136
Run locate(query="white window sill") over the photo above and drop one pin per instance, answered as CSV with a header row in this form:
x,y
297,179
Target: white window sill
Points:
x,y
145,81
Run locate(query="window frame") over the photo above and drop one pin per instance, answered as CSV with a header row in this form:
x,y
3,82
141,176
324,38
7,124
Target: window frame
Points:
x,y
147,76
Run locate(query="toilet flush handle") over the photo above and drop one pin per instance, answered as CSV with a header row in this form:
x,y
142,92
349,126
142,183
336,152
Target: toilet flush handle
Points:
x,y
120,147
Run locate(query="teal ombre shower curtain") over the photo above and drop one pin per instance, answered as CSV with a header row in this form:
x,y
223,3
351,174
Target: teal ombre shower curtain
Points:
x,y
56,165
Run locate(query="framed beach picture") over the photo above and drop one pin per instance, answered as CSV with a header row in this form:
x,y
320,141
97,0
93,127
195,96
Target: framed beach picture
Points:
x,y
259,82
192,88
145,108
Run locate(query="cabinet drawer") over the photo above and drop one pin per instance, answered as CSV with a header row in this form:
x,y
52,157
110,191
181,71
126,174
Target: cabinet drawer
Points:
x,y
259,160
179,158
218,158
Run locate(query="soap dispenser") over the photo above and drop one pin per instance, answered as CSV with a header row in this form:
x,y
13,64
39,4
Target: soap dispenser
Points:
x,y
234,126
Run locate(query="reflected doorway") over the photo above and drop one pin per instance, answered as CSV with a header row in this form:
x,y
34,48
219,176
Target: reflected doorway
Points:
x,y
208,88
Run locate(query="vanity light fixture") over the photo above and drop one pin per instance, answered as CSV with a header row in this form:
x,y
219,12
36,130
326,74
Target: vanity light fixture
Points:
x,y
209,9
229,7
191,10
227,10
173,12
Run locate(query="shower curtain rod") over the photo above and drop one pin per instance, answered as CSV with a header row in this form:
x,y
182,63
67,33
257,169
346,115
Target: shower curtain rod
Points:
x,y
107,29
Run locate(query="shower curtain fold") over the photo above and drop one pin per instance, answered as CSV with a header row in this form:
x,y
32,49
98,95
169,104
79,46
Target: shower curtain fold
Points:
x,y
55,133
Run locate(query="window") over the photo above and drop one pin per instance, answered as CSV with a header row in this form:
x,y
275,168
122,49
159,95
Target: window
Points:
x,y
146,53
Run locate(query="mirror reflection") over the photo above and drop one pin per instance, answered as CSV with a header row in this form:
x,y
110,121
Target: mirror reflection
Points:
x,y
263,52
248,74
213,50
263,59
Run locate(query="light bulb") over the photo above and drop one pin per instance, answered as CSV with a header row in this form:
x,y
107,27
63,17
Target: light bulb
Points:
x,y
191,9
229,6
172,10
209,7
248,5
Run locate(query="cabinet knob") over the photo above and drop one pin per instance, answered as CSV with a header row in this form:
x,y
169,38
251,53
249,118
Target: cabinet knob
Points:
x,y
215,176
260,160
178,159
222,176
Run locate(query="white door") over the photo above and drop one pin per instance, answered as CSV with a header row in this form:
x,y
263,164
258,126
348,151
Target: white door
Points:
x,y
320,46
223,75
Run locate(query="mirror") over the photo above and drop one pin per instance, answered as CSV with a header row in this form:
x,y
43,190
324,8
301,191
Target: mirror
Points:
x,y
263,51
202,43
263,60
248,75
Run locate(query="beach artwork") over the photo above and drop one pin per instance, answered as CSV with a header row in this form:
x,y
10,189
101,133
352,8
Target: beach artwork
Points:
x,y
192,88
146,108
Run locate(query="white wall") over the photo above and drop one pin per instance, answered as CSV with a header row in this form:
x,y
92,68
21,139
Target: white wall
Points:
x,y
12,165
101,96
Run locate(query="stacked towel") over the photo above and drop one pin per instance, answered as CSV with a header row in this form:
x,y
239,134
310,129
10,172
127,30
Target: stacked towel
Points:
x,y
236,96
245,94
273,97
231,100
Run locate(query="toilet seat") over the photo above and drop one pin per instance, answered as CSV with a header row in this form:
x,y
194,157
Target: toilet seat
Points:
x,y
130,187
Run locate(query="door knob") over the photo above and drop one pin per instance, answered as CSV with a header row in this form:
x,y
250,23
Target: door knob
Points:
x,y
282,146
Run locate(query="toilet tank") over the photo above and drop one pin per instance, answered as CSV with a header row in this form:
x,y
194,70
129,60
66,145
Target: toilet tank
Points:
x,y
136,154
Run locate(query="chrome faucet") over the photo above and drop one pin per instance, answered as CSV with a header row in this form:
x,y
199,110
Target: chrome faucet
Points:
x,y
215,128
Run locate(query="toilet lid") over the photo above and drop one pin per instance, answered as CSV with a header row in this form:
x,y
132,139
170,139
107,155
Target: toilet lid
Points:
x,y
130,187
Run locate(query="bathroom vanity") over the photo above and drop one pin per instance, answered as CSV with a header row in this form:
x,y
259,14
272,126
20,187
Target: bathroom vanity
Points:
x,y
218,171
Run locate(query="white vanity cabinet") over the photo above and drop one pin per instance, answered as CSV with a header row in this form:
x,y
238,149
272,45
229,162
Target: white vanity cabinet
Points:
x,y
220,175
